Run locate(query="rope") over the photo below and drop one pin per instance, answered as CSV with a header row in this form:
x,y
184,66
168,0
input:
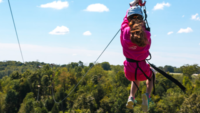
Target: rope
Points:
x,y
85,73
16,31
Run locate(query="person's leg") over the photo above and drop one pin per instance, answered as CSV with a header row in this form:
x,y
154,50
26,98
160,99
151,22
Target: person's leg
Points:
x,y
131,99
149,86
134,88
150,83
146,96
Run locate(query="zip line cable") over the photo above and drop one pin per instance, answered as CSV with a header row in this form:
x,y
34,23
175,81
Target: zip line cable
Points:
x,y
86,72
16,30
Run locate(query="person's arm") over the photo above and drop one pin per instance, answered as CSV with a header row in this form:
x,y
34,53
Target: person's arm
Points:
x,y
125,22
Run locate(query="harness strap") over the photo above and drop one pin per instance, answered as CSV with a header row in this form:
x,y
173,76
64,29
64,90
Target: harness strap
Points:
x,y
136,72
137,86
169,77
154,77
145,19
131,60
144,74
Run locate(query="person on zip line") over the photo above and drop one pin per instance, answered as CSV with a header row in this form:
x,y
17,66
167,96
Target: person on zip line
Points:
x,y
136,42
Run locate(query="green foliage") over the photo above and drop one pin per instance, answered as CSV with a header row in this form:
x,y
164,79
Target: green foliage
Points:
x,y
44,110
55,109
120,79
15,75
106,66
11,102
91,65
191,104
188,70
49,104
168,68
104,89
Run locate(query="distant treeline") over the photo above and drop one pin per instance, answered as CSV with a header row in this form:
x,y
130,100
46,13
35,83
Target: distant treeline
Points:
x,y
173,69
7,67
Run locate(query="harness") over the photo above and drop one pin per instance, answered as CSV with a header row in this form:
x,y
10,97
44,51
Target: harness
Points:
x,y
158,70
138,67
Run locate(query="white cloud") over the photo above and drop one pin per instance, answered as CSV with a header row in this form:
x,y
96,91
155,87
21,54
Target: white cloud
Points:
x,y
97,8
195,17
1,1
183,16
87,33
55,5
187,30
169,33
161,6
199,43
60,30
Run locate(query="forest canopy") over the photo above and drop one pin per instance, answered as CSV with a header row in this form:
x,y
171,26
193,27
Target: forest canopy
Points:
x,y
29,88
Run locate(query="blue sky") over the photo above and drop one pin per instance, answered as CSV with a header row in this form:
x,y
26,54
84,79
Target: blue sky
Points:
x,y
60,31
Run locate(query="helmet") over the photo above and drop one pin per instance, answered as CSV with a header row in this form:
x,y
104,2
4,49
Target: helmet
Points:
x,y
135,10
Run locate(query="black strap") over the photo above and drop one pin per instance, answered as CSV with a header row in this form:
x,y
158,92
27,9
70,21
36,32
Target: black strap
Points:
x,y
145,19
158,70
131,60
136,72
154,76
165,74
168,76
144,74
136,86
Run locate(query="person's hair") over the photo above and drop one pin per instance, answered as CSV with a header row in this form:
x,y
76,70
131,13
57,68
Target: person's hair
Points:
x,y
136,28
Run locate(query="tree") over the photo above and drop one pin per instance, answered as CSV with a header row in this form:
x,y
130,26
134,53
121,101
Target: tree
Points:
x,y
91,65
188,70
49,104
55,109
44,110
168,68
27,105
80,64
2,102
11,101
15,75
45,83
121,79
117,68
162,68
105,66
191,104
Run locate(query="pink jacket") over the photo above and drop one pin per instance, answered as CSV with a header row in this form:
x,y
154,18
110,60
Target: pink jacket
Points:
x,y
132,51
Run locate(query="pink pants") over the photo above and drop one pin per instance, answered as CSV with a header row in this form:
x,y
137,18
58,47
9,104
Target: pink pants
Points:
x,y
130,67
